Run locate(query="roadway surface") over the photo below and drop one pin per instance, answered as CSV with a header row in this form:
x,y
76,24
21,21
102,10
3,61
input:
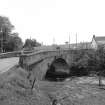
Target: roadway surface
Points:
x,y
7,63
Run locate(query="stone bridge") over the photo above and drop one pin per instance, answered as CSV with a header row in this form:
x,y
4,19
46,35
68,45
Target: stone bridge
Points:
x,y
39,62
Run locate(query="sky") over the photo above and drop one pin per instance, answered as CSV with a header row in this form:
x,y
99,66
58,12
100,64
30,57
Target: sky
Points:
x,y
53,21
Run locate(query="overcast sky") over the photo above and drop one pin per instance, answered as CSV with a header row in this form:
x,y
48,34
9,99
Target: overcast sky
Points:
x,y
51,21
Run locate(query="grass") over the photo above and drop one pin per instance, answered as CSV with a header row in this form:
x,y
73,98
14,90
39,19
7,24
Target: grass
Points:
x,y
15,90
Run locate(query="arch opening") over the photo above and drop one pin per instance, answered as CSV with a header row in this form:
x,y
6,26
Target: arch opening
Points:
x,y
58,70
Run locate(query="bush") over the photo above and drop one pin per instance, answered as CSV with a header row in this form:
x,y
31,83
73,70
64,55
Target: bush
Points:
x,y
87,62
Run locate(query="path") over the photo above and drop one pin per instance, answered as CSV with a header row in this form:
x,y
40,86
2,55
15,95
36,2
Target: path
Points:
x,y
7,63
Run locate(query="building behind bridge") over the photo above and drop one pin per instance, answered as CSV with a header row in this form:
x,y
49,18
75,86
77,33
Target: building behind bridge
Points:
x,y
97,41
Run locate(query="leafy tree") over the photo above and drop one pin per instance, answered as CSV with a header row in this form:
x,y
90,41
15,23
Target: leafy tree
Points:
x,y
5,28
5,25
8,41
100,65
18,44
30,43
90,61
14,43
79,67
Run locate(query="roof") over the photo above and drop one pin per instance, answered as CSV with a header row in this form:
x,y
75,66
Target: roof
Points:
x,y
99,39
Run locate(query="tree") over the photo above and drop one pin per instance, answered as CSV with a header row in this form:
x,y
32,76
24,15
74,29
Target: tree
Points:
x,y
97,63
89,62
8,41
5,25
18,44
14,43
100,54
85,62
79,67
5,30
31,43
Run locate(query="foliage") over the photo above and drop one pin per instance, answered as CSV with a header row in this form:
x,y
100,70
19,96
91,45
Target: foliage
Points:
x,y
5,25
8,41
89,61
13,43
79,66
30,43
100,58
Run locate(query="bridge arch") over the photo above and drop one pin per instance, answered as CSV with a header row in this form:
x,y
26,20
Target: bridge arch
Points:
x,y
58,70
40,62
